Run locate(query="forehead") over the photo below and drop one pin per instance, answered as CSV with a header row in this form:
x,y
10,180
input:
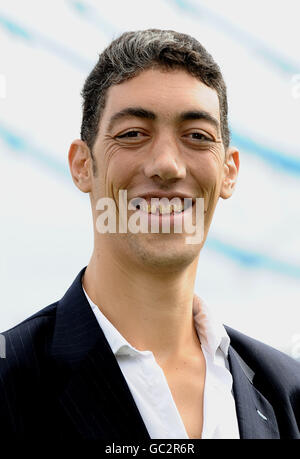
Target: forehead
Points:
x,y
164,92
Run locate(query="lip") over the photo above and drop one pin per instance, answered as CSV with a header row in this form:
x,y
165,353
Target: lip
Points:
x,y
173,217
157,220
160,194
163,194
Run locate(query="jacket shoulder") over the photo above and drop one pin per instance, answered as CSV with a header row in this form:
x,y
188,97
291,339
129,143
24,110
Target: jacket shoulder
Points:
x,y
265,360
276,377
25,342
22,369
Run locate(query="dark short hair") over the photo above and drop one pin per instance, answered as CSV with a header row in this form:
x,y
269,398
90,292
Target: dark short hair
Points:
x,y
136,51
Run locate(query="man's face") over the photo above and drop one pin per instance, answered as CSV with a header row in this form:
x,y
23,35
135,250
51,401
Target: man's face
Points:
x,y
169,141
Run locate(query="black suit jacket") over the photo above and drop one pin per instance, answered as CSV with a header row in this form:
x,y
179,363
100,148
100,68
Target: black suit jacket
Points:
x,y
61,380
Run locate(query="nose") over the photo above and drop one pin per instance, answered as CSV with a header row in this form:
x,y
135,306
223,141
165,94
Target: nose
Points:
x,y
164,160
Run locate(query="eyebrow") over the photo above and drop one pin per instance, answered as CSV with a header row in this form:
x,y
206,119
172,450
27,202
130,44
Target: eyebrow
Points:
x,y
139,112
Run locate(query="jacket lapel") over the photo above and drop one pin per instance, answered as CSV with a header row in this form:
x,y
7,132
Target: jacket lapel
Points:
x,y
256,417
95,401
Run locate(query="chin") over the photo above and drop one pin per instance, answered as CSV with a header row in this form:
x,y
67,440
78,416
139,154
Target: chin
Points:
x,y
158,251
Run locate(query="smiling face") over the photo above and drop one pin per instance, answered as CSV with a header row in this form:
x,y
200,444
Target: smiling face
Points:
x,y
160,132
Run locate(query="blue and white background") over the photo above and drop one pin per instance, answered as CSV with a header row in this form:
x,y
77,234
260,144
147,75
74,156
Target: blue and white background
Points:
x,y
249,270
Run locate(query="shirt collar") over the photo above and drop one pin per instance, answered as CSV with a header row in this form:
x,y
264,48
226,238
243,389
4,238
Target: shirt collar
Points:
x,y
119,345
210,330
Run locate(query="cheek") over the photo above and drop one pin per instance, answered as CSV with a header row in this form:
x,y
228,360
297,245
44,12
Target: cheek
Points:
x,y
106,157
208,168
119,168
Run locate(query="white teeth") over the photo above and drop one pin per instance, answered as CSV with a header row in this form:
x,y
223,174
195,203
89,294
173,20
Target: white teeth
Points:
x,y
161,208
164,208
178,208
151,208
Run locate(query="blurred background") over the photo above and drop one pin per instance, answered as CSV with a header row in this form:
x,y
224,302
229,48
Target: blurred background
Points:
x,y
249,270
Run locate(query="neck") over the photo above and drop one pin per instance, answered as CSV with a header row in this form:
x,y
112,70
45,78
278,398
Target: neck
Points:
x,y
152,310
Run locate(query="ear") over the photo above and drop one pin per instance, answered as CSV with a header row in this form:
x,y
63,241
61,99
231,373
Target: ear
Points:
x,y
80,165
231,169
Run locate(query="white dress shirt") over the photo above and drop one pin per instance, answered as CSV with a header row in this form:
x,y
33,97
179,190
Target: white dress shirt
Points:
x,y
149,386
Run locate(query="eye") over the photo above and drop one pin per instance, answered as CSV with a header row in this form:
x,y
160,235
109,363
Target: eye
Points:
x,y
199,136
130,134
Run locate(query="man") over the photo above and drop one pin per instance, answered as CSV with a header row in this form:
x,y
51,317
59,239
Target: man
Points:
x,y
130,352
